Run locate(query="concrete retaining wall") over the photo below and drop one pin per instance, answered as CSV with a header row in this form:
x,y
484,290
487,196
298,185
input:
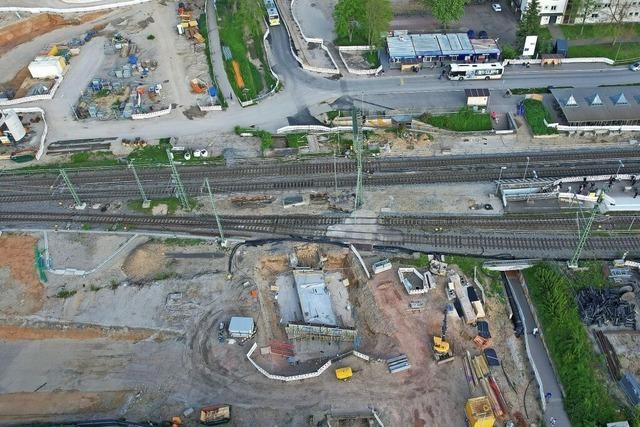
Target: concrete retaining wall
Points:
x,y
210,108
71,9
603,129
564,61
369,72
319,41
152,114
32,98
317,128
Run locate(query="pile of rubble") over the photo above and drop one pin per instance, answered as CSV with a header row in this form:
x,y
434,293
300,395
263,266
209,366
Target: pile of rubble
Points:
x,y
601,306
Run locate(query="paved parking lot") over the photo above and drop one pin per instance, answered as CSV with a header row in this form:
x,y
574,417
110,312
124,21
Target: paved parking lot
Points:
x,y
478,17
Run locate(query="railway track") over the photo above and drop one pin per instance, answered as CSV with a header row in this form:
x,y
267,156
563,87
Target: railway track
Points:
x,y
163,187
315,167
403,233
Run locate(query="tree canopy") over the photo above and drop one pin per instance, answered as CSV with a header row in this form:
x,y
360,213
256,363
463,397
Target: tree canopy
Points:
x,y
529,25
446,11
361,21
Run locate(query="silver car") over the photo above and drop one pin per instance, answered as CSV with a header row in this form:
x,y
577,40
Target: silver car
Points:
x,y
635,66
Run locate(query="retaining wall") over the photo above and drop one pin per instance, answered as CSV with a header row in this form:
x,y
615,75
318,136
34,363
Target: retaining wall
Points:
x,y
317,128
308,40
370,72
71,9
625,128
564,61
151,115
32,98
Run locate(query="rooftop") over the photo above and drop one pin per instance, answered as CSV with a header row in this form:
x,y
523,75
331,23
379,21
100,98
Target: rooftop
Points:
x,y
599,104
315,300
401,47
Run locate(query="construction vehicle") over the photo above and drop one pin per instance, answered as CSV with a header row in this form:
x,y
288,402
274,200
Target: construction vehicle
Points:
x,y
441,349
215,414
344,374
478,412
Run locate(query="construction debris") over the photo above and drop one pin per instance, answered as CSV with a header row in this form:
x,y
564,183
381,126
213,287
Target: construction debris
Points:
x,y
463,299
398,364
603,306
613,364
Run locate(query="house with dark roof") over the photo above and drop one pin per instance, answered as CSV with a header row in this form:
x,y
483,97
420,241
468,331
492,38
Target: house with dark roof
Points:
x,y
599,106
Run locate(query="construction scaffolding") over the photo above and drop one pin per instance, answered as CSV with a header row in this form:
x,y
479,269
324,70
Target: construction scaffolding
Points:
x,y
320,333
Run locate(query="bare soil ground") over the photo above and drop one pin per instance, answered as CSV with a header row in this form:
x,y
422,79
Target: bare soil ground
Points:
x,y
146,262
26,29
22,292
71,332
16,407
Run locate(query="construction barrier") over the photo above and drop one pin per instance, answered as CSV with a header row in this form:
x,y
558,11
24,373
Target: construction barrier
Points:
x,y
71,9
288,378
152,114
210,107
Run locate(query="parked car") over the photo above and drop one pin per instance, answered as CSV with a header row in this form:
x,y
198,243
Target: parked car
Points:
x,y
483,35
635,66
496,7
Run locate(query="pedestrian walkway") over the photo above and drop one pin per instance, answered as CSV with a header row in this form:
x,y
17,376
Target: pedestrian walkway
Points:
x,y
216,55
538,357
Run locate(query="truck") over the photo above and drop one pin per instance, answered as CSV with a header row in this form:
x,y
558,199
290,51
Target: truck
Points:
x,y
215,415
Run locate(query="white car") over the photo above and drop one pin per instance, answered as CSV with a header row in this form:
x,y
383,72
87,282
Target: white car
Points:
x,y
496,7
635,66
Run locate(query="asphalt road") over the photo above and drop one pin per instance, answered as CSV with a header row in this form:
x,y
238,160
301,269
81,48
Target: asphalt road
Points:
x,y
303,89
539,358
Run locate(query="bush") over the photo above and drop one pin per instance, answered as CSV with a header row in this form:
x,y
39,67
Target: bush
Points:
x,y
151,37
536,114
464,120
508,52
587,401
63,293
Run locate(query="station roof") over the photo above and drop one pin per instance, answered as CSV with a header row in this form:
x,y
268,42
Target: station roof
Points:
x,y
472,93
599,104
485,46
425,44
400,47
454,44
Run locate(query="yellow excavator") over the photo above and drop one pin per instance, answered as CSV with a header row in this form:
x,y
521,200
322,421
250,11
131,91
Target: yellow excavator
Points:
x,y
441,348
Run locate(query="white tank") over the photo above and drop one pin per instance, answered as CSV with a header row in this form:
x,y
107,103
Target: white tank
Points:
x,y
10,119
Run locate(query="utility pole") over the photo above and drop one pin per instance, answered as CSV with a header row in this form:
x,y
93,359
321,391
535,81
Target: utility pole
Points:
x,y
72,190
146,203
502,169
215,211
357,147
584,236
526,169
182,195
335,166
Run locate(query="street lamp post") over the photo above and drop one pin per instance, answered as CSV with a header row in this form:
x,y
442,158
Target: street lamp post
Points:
x,y
621,165
526,168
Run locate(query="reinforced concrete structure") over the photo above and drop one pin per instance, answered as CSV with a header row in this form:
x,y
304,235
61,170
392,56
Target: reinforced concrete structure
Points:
x,y
314,297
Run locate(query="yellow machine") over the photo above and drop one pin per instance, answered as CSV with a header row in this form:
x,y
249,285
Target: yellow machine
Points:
x,y
344,374
441,348
479,413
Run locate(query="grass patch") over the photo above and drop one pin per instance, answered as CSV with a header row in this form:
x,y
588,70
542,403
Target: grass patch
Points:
x,y
241,28
587,401
333,114
151,153
173,204
372,58
102,93
421,262
296,140
266,139
175,241
465,120
204,32
63,293
594,31
628,51
536,114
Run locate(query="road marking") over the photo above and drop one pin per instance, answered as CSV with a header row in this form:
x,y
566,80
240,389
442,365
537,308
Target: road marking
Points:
x,y
401,81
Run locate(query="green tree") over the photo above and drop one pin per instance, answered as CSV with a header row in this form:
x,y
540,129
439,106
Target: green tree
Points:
x,y
529,25
347,16
583,9
378,14
446,11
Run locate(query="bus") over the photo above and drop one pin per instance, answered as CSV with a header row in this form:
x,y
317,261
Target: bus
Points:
x,y
492,70
272,12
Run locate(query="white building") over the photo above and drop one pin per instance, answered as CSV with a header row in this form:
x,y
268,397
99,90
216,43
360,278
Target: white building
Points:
x,y
550,11
611,11
47,67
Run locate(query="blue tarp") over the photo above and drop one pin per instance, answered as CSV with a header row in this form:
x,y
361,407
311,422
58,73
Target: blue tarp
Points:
x,y
133,60
213,91
492,357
